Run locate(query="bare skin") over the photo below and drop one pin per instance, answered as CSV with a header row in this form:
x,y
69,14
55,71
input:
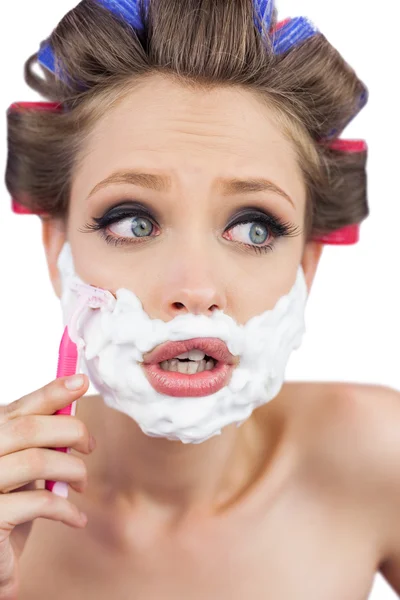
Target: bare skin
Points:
x,y
273,509
300,530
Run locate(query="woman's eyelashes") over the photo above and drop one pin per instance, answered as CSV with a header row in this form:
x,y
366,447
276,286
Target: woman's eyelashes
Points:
x,y
262,229
251,228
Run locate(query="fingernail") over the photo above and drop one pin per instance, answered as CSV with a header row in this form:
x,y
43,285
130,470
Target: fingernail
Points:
x,y
92,443
74,383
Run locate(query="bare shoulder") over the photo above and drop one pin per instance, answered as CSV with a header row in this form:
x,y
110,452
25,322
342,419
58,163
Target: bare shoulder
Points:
x,y
359,428
352,427
353,450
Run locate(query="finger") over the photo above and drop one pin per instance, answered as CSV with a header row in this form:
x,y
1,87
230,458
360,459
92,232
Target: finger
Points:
x,y
20,468
33,431
46,400
21,507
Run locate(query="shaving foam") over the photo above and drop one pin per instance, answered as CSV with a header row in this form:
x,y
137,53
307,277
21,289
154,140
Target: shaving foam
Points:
x,y
114,337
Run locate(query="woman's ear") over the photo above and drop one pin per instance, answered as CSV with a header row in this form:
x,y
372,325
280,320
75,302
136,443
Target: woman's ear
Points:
x,y
54,238
311,256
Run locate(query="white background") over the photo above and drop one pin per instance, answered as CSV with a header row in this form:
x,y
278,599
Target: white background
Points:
x,y
353,326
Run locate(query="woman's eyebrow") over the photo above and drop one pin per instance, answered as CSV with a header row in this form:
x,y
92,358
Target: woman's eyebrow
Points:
x,y
162,183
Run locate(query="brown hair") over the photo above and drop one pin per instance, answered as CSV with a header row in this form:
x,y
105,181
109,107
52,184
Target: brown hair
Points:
x,y
200,43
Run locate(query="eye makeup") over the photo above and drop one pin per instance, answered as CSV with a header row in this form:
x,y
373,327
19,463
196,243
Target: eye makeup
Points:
x,y
126,210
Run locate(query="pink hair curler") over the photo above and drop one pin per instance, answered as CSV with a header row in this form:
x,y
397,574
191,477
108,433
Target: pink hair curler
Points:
x,y
345,236
350,146
16,206
350,234
21,209
341,237
53,106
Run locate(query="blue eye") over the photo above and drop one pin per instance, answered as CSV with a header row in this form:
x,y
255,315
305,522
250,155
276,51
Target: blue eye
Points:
x,y
123,225
254,231
139,226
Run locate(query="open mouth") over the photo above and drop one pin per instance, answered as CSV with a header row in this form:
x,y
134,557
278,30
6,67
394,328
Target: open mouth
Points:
x,y
189,363
174,383
185,369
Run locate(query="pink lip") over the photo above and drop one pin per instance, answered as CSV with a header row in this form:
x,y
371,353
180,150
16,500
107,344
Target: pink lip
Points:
x,y
180,384
213,347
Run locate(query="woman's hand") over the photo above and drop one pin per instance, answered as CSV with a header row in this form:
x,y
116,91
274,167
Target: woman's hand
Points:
x,y
28,431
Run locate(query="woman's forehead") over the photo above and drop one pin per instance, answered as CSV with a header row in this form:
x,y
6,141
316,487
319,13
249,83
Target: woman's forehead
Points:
x,y
192,138
224,115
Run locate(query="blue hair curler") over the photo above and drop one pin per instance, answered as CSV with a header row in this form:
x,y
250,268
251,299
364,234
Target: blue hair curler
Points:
x,y
291,33
126,10
264,10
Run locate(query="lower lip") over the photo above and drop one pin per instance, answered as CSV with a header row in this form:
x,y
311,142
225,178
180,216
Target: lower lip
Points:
x,y
176,384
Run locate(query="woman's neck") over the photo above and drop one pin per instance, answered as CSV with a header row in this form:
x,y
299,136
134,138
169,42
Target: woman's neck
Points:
x,y
170,477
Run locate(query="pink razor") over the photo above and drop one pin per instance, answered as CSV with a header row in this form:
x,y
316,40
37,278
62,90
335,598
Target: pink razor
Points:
x,y
89,297
67,363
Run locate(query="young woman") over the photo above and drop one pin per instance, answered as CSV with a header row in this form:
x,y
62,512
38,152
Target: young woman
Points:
x,y
188,168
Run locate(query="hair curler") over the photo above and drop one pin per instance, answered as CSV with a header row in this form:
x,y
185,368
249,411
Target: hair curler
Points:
x,y
345,236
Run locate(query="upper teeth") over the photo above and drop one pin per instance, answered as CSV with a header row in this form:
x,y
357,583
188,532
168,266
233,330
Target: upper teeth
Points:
x,y
192,355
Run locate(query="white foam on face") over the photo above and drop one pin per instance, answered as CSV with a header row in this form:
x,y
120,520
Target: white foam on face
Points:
x,y
113,339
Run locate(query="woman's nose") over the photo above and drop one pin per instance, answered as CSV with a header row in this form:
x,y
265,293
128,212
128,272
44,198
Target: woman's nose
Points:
x,y
192,282
196,299
192,272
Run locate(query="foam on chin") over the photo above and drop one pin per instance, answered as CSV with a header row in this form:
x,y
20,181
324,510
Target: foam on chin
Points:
x,y
113,339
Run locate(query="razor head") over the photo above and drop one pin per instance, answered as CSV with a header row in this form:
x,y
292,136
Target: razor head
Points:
x,y
93,296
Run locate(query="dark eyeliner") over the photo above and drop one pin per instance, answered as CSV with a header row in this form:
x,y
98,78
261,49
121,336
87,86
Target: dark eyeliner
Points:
x,y
122,211
278,227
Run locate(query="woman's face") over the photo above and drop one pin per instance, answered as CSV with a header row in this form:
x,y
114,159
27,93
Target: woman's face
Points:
x,y
174,234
